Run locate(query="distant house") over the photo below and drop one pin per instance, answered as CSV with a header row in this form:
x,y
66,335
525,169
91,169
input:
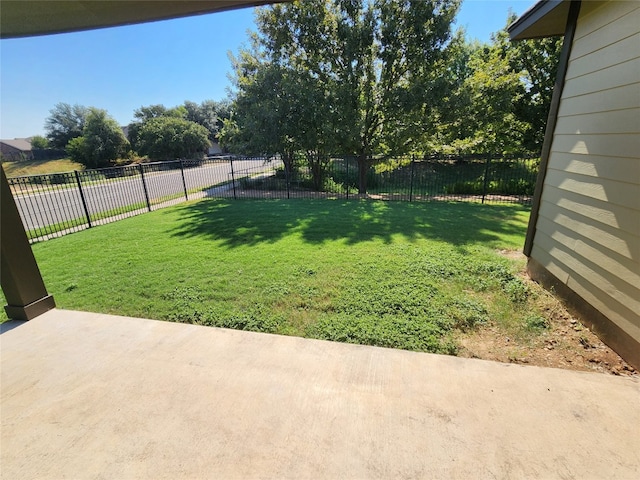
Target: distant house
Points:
x,y
16,149
584,232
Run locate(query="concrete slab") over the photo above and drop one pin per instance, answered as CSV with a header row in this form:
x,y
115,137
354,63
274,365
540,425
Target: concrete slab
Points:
x,y
97,396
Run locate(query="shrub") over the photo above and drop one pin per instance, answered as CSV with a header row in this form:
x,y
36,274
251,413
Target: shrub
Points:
x,y
331,186
496,187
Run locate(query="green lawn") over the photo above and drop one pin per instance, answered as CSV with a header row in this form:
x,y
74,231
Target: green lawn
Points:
x,y
40,167
397,274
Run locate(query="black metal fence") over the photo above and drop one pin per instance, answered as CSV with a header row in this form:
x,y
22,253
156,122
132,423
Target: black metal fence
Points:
x,y
478,178
57,204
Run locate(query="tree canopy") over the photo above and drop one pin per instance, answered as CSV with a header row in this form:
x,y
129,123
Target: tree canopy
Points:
x,y
208,115
169,138
39,142
367,78
349,76
101,143
499,101
90,136
64,123
364,78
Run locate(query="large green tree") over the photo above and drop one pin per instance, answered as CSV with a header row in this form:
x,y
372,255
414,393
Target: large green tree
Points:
x,y
499,101
170,138
101,143
365,70
145,114
210,114
280,109
537,61
261,120
64,123
481,118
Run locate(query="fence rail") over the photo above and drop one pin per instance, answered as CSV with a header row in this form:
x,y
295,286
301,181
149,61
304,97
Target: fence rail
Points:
x,y
61,203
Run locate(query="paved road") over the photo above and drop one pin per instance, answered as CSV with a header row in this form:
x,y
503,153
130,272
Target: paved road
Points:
x,y
64,204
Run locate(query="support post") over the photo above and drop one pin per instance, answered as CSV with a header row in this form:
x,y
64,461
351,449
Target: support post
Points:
x,y
20,277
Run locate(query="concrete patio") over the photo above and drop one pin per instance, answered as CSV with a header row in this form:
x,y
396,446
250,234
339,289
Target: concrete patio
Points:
x,y
96,396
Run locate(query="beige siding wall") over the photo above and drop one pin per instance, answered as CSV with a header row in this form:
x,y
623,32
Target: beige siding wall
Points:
x,y
588,230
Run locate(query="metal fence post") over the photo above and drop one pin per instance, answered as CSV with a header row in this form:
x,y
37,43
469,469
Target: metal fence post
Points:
x,y
84,201
184,184
346,181
486,177
287,179
233,179
144,186
413,168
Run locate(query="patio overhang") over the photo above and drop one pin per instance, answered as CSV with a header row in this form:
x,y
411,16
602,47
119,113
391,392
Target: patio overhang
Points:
x,y
29,18
547,18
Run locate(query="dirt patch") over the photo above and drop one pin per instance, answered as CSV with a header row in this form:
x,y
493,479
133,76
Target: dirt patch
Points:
x,y
564,343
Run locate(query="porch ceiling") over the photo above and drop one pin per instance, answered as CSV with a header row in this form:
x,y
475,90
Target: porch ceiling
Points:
x,y
28,18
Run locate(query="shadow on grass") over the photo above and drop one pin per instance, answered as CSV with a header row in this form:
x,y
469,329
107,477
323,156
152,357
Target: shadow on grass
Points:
x,y
251,222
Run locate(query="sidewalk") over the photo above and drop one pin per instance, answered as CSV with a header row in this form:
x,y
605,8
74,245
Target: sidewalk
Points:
x,y
96,396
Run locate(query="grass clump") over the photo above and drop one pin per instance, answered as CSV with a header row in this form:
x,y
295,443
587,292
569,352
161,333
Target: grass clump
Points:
x,y
401,275
188,306
536,322
386,331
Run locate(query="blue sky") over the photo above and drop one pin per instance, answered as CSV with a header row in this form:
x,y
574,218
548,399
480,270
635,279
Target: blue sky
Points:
x,y
120,69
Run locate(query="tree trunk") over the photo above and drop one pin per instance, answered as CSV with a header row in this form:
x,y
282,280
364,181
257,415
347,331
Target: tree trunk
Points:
x,y
287,159
363,168
317,171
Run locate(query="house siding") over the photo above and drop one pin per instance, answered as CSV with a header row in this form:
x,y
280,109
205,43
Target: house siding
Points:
x,y
588,227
